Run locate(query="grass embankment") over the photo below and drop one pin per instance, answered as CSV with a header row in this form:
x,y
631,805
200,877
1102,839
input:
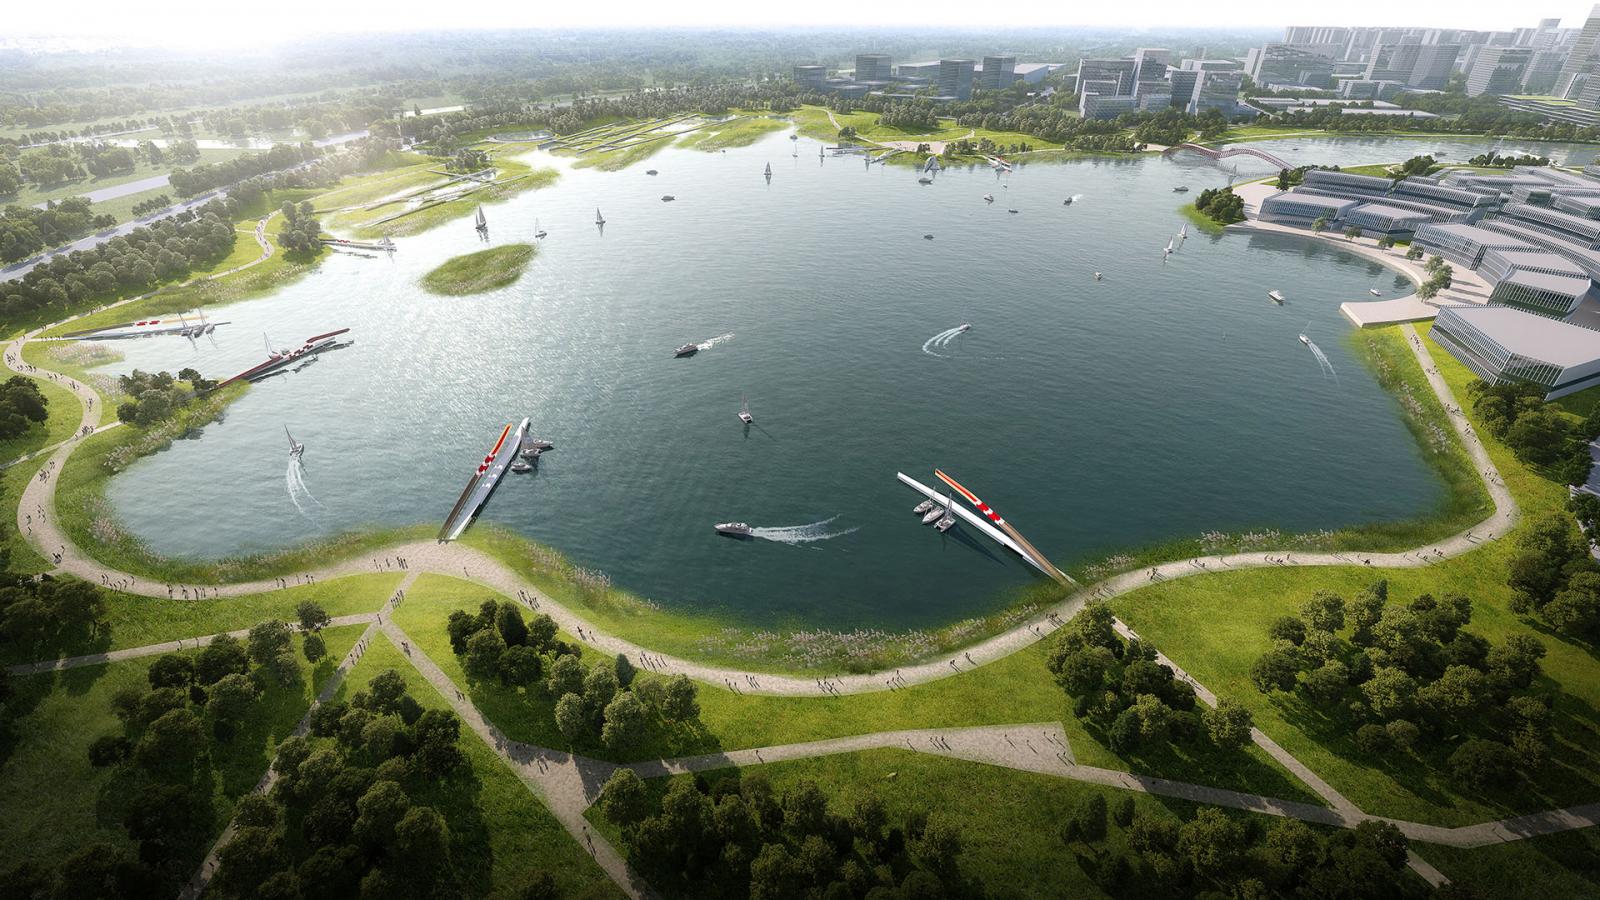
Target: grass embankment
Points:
x,y
617,160
428,209
75,359
500,834
474,273
1015,690
1216,626
739,132
61,804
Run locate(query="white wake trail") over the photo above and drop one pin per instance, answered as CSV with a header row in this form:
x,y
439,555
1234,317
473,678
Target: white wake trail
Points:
x,y
708,343
1322,359
299,494
801,534
939,341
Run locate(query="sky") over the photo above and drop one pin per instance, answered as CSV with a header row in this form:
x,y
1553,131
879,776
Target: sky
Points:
x,y
188,22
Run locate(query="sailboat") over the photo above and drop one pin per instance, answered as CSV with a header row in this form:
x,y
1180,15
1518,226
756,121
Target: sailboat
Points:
x,y
483,224
538,232
949,518
744,411
1183,232
819,151
598,219
296,449
768,173
1169,246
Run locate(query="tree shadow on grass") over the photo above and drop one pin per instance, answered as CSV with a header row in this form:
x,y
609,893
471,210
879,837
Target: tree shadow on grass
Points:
x,y
1199,761
458,798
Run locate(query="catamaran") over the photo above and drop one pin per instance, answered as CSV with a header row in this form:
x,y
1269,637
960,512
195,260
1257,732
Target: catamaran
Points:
x,y
744,411
598,219
296,449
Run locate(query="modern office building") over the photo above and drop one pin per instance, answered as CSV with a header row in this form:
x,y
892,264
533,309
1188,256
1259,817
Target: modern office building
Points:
x,y
814,77
955,78
1106,106
998,72
1287,64
1464,245
1033,73
1501,345
1184,85
1380,219
1366,89
1582,58
928,69
1540,293
1498,70
1219,90
1302,209
1544,67
874,67
1119,71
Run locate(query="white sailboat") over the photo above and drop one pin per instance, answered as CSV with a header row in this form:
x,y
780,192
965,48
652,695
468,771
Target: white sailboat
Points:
x,y
768,173
1183,232
538,232
744,411
296,449
482,224
598,219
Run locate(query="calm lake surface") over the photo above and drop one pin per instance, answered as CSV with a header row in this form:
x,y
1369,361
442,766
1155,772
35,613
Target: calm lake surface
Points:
x,y
1169,399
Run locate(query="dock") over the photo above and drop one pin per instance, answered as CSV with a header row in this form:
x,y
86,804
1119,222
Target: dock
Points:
x,y
483,481
978,522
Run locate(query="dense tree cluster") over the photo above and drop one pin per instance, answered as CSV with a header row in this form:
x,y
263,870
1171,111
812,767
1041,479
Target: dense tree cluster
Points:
x,y
25,230
1215,854
301,231
22,406
343,820
49,615
1221,205
1494,160
739,838
910,116
154,396
1408,678
152,205
1538,432
1492,119
124,265
1123,691
1440,277
204,177
607,703
1553,576
1416,165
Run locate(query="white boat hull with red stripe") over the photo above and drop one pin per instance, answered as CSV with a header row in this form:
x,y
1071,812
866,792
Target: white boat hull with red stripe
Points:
x,y
483,481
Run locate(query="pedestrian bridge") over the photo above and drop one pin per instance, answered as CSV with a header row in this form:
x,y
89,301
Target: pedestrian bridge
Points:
x,y
1209,153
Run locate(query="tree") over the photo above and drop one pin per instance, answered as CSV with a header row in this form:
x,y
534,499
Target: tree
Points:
x,y
1274,670
267,640
1213,842
1228,724
1515,661
379,811
679,704
624,669
1323,612
483,655
249,859
572,718
172,746
1352,232
624,721
422,841
773,874
1413,252
625,800
110,750
172,670
1576,610
520,666
1320,225
311,614
435,735
1326,684
566,676
230,699
1288,628
599,686
314,648
1482,764
1389,692
225,655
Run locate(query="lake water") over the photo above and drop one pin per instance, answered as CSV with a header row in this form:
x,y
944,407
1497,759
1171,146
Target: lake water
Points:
x,y
1168,399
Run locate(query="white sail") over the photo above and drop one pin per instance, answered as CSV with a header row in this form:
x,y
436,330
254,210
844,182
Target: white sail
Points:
x,y
482,222
598,219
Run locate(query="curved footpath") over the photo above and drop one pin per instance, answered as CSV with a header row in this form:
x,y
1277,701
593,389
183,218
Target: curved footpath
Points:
x,y
568,784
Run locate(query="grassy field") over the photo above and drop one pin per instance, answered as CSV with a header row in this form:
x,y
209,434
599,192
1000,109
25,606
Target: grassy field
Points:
x,y
475,273
75,359
70,804
617,160
1557,865
500,834
1015,690
740,132
511,178
62,417
1215,627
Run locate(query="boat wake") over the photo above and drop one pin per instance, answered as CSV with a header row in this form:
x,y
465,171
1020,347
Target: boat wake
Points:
x,y
933,345
708,343
295,481
1322,360
801,534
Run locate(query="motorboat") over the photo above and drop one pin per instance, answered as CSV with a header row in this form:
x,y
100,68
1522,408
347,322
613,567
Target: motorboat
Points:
x,y
734,529
794,137
521,467
1067,202
532,453
924,180
296,449
922,507
744,412
928,237
651,172
1375,292
1305,340
1277,296
687,350
667,198
989,198
965,326
536,444
1012,210
1098,276
1181,189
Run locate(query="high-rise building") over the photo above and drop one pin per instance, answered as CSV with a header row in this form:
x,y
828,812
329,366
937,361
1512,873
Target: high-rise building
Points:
x,y
815,77
1283,64
1543,70
1315,36
1498,70
998,72
1185,85
1581,60
873,67
1121,71
955,78
1435,63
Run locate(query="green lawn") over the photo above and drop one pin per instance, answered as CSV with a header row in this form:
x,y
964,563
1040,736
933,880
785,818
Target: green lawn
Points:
x,y
475,273
617,160
75,359
1015,690
62,804
62,417
1215,627
1557,865
740,132
500,833
511,178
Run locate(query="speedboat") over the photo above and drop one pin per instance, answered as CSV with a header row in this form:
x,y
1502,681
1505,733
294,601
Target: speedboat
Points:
x,y
1277,296
521,467
651,172
922,507
687,350
924,180
989,198
1375,292
734,529
536,444
1181,189
532,453
1067,202
794,137
927,237
667,198
1012,210
1098,276
965,326
1305,340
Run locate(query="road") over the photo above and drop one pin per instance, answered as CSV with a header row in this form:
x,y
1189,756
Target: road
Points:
x,y
121,190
